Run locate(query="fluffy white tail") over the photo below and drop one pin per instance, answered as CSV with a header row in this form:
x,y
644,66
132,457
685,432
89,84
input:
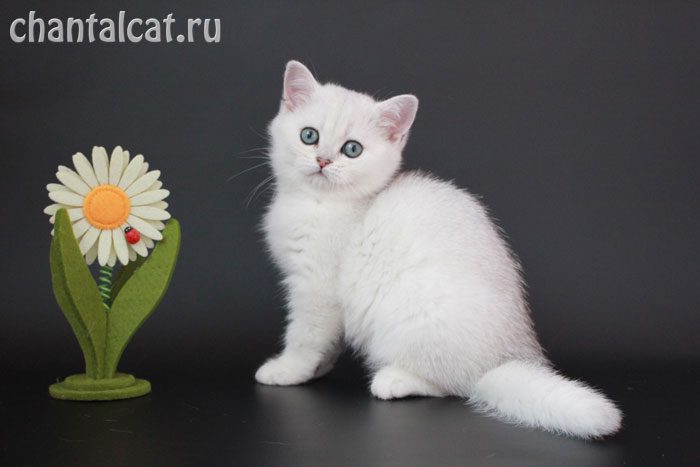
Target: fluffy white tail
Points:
x,y
534,395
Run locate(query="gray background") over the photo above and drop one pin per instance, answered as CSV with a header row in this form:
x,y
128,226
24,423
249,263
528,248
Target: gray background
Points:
x,y
576,121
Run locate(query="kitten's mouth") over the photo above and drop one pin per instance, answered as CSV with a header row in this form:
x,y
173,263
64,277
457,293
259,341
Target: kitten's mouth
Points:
x,y
319,177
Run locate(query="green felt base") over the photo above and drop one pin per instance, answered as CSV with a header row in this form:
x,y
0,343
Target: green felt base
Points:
x,y
83,388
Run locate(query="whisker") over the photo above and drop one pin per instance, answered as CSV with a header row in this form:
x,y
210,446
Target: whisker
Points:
x,y
257,133
246,170
264,190
265,157
262,148
249,199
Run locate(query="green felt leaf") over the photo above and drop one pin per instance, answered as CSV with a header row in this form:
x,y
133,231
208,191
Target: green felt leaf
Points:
x,y
77,294
125,272
140,295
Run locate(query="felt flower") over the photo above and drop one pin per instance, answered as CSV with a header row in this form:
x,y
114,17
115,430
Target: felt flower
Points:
x,y
115,205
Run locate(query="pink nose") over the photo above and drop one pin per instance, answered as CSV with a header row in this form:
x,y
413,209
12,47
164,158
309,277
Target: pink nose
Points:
x,y
322,162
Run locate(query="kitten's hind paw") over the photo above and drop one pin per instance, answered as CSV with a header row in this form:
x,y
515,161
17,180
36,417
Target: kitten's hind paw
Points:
x,y
394,383
284,370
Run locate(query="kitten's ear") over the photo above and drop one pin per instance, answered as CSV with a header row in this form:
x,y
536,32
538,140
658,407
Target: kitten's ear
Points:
x,y
396,115
299,85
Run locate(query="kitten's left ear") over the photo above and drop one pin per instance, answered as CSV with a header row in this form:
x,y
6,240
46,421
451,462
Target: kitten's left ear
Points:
x,y
396,115
299,84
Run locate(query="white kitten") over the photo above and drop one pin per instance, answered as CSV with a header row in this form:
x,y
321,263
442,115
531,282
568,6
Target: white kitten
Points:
x,y
407,268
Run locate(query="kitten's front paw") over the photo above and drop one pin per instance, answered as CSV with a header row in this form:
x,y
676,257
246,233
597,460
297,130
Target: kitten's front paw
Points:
x,y
284,371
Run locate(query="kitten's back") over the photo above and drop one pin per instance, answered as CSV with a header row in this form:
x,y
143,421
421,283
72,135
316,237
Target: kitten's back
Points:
x,y
427,268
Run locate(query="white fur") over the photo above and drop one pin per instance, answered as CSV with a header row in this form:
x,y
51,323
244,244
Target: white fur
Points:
x,y
533,394
407,268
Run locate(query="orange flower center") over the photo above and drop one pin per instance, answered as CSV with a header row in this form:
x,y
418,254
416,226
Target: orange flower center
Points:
x,y
106,207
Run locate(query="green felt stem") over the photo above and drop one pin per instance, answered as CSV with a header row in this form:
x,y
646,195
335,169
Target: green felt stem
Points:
x,y
139,294
124,274
77,295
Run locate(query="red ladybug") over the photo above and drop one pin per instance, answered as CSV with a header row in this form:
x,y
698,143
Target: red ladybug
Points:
x,y
132,235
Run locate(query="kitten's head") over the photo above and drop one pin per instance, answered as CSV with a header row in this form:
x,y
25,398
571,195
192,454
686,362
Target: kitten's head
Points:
x,y
329,139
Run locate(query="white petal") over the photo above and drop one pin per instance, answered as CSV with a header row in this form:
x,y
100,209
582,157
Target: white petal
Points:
x,y
67,197
132,254
112,258
126,160
144,169
120,245
89,239
147,241
150,213
80,227
57,187
91,255
131,172
104,247
142,184
157,224
73,181
100,162
116,165
156,186
140,248
144,227
160,205
149,197
82,165
52,209
75,214
63,168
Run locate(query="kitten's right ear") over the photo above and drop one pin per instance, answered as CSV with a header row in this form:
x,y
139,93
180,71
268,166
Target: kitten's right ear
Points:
x,y
299,85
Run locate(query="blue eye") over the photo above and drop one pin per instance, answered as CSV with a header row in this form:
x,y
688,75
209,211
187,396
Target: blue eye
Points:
x,y
352,149
309,136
